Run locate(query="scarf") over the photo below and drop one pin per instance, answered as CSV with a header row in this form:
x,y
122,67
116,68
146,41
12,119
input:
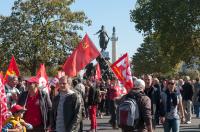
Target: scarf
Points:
x,y
171,99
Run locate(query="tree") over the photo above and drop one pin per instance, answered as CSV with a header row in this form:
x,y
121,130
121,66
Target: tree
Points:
x,y
177,22
40,31
150,59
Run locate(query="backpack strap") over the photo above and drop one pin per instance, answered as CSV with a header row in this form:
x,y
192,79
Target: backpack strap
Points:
x,y
137,96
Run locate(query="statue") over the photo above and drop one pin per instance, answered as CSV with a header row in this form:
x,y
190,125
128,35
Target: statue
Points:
x,y
103,38
113,30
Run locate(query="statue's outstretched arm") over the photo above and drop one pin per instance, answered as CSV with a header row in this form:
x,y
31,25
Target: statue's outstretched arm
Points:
x,y
97,32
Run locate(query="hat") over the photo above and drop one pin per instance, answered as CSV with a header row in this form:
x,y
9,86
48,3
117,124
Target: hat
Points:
x,y
33,80
139,84
17,108
187,78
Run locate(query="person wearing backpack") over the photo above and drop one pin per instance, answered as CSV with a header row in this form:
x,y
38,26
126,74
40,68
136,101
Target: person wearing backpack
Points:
x,y
134,110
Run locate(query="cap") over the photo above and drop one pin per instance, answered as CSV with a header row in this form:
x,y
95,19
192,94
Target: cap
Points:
x,y
139,84
33,80
17,108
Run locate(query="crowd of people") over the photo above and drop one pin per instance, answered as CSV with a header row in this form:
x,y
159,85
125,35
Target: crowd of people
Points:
x,y
71,100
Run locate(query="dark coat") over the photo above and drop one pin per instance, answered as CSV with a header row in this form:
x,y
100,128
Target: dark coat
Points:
x,y
72,112
154,94
187,91
94,96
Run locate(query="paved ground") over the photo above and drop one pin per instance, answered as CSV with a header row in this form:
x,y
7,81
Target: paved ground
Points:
x,y
103,126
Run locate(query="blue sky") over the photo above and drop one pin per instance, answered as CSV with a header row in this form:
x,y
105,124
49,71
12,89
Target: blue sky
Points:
x,y
103,12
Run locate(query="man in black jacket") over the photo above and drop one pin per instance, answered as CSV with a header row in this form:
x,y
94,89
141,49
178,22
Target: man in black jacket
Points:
x,y
67,108
154,94
187,99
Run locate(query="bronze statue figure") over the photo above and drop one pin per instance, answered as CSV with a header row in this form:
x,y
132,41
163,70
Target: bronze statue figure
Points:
x,y
103,38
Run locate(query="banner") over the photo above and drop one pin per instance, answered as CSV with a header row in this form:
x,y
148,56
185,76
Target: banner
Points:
x,y
43,78
81,56
3,102
12,69
122,70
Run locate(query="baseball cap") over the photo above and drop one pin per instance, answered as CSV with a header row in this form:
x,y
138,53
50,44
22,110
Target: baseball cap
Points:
x,y
17,108
33,80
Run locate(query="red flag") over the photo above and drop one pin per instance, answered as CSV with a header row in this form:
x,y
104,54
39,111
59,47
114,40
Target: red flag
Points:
x,y
122,70
98,72
81,56
43,78
12,69
3,102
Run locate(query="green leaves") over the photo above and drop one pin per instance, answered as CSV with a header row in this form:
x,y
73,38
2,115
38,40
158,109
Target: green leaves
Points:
x,y
150,59
40,31
174,23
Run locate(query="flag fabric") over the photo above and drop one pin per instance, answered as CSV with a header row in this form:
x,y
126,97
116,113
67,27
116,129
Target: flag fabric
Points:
x,y
43,78
122,70
60,74
123,91
84,53
98,72
3,102
12,69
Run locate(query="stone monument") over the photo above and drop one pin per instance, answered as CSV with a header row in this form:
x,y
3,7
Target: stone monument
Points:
x,y
114,39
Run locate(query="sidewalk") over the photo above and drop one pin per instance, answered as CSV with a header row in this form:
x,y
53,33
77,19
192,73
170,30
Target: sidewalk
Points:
x,y
104,126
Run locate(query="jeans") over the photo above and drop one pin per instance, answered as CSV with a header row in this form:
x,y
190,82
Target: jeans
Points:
x,y
173,124
187,105
197,110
